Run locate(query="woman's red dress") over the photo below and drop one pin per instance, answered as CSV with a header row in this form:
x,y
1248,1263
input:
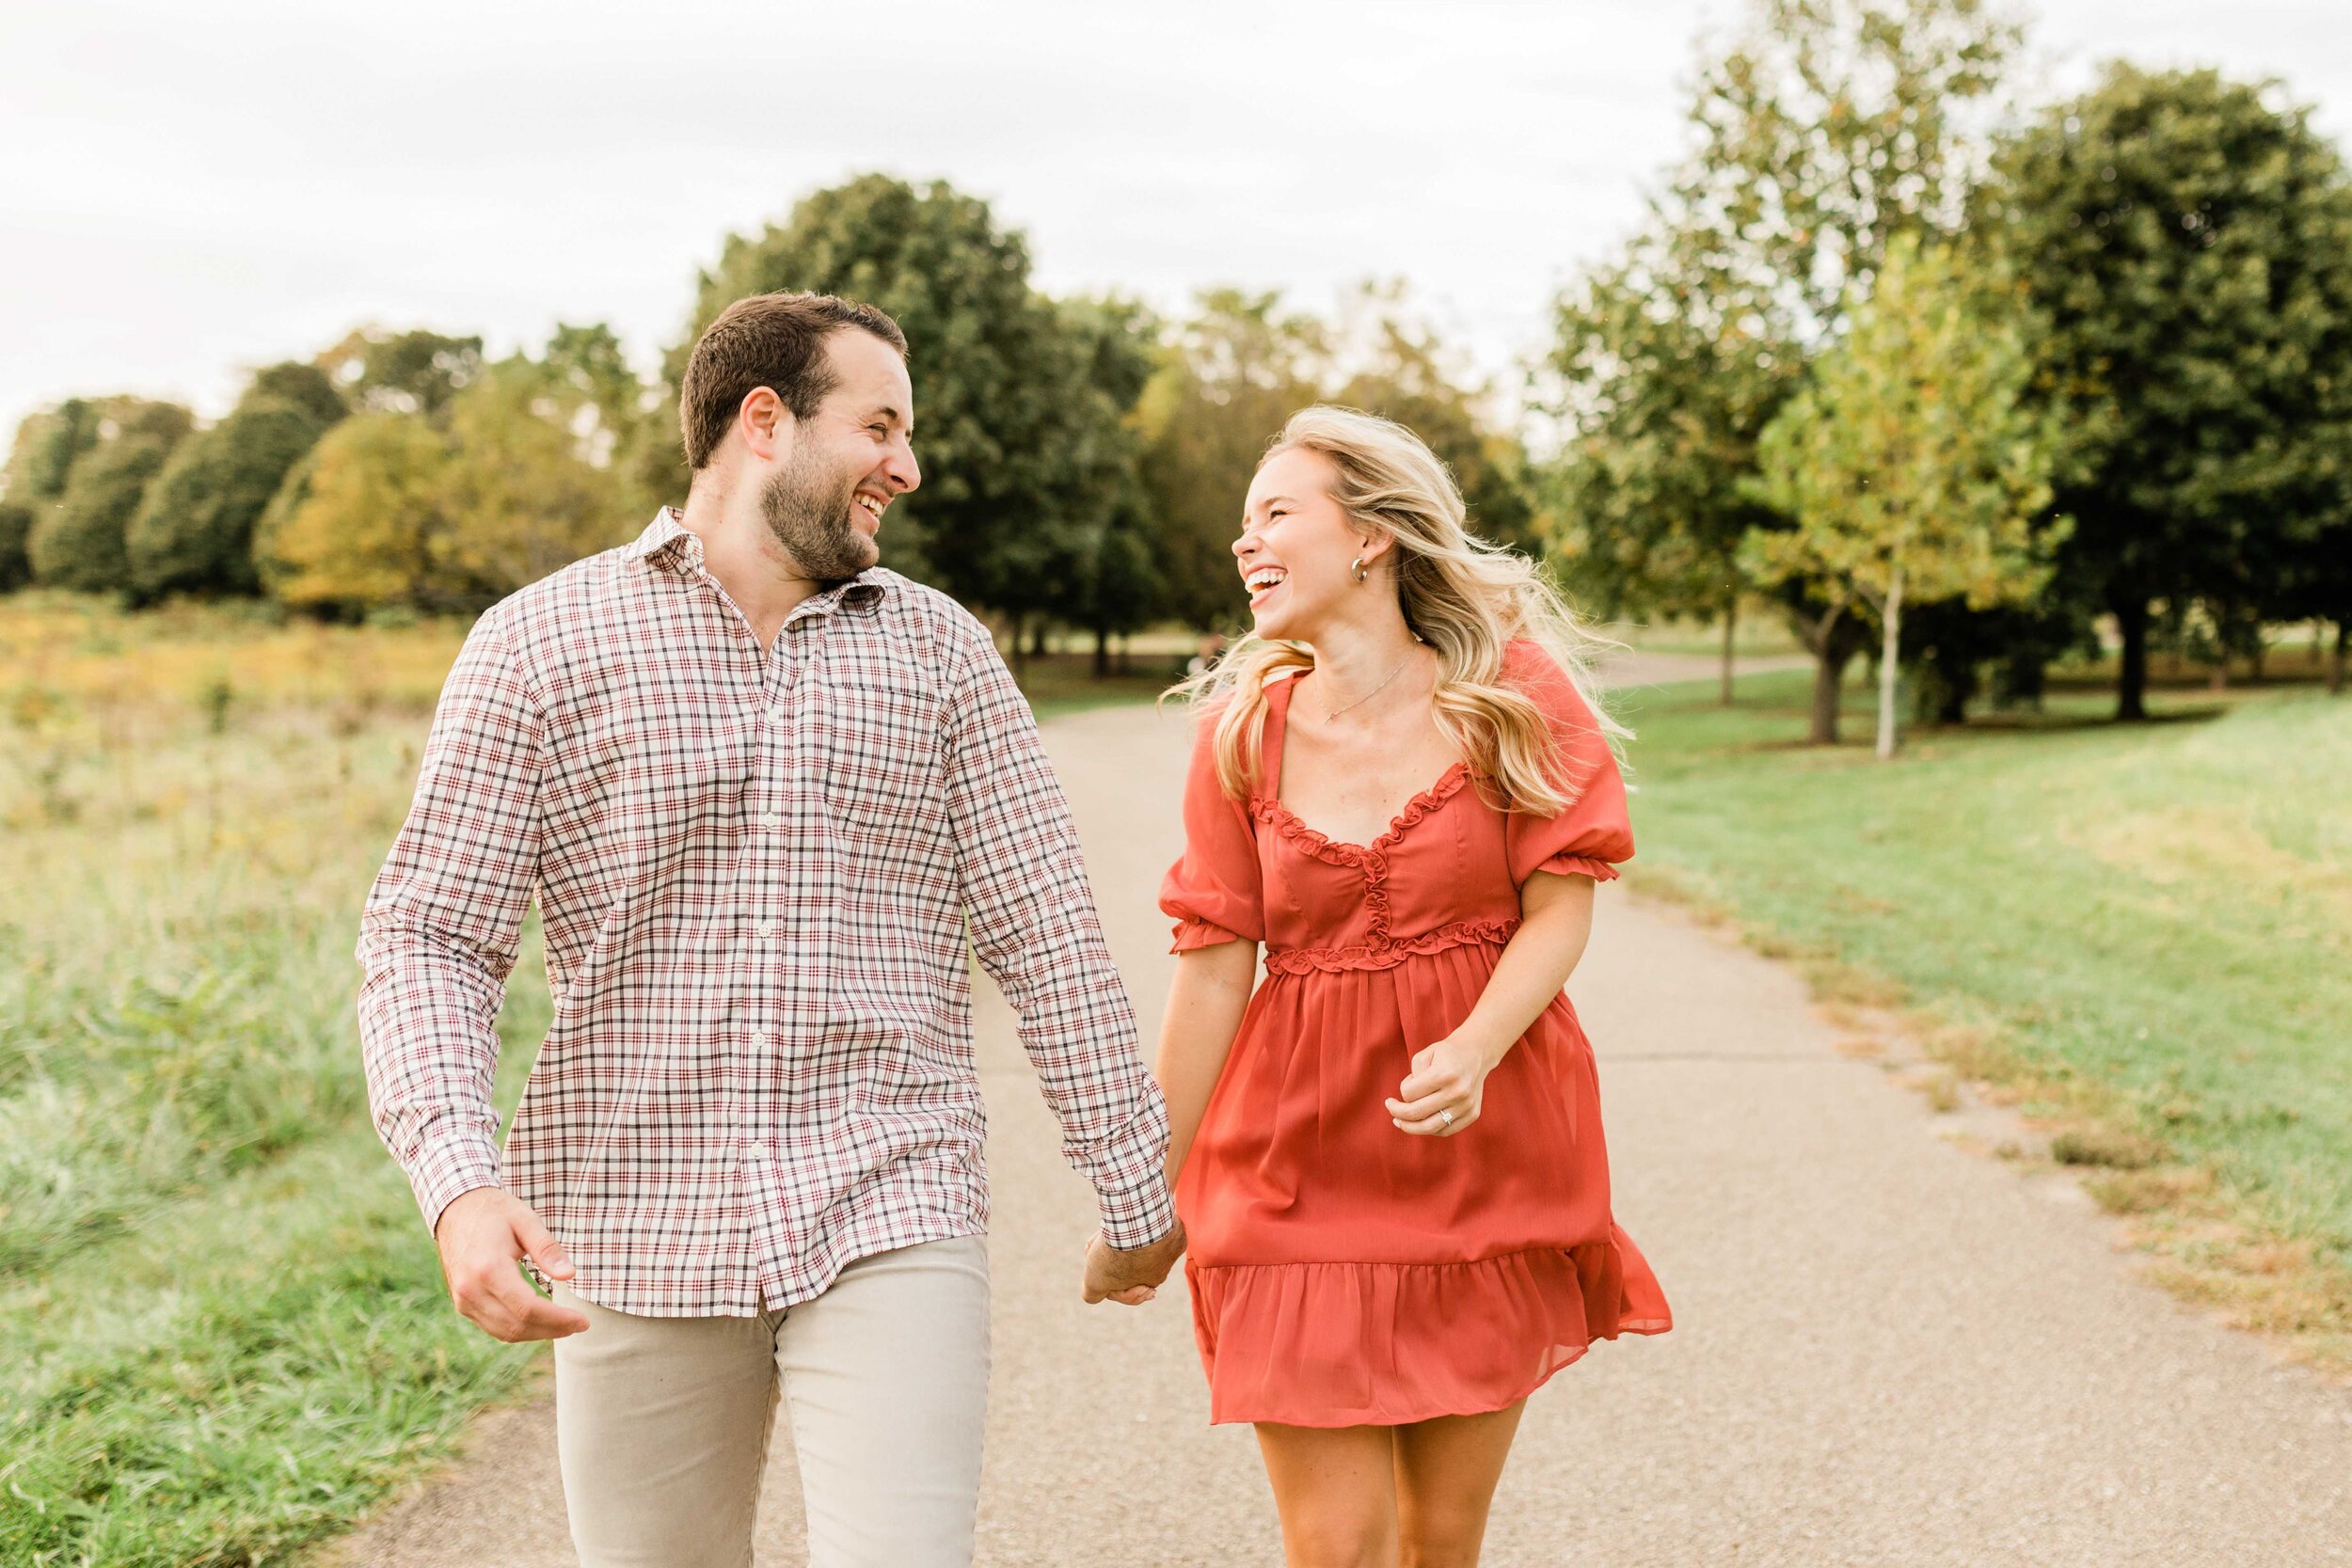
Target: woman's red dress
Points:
x,y
1345,1273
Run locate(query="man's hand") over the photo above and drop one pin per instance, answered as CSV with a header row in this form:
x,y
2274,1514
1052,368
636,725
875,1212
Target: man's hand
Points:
x,y
1128,1275
483,1234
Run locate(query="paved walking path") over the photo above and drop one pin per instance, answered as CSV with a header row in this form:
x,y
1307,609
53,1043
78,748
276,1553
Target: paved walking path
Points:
x,y
1889,1351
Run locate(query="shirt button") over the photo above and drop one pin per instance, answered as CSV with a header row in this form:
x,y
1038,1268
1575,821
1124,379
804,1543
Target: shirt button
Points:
x,y
767,929
775,714
771,819
763,1041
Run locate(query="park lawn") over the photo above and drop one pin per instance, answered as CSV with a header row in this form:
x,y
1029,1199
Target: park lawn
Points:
x,y
223,1332
2147,930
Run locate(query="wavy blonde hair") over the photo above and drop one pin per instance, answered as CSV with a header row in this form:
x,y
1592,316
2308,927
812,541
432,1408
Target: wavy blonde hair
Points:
x,y
1464,596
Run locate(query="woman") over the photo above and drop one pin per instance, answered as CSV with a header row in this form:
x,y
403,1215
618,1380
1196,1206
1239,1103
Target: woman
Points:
x,y
1388,1158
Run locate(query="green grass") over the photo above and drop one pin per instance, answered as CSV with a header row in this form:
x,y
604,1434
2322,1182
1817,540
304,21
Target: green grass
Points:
x,y
223,1332
2152,924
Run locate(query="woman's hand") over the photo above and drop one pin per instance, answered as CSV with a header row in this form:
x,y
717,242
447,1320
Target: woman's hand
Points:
x,y
1446,1087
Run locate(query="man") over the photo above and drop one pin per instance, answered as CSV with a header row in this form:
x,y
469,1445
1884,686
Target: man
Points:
x,y
757,783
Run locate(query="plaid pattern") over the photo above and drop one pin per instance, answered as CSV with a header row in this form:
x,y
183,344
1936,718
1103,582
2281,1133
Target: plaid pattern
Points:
x,y
754,870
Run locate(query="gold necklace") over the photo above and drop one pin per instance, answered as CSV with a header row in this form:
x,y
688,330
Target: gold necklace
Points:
x,y
1368,696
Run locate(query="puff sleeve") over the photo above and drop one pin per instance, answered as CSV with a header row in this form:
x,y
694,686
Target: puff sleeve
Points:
x,y
1595,831
1213,892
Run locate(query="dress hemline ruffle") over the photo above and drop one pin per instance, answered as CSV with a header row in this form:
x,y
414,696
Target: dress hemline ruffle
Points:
x,y
1383,1344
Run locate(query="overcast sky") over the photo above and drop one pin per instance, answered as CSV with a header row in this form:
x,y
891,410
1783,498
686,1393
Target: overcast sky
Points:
x,y
193,190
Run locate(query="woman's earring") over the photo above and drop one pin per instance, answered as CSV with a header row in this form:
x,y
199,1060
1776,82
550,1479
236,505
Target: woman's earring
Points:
x,y
1355,569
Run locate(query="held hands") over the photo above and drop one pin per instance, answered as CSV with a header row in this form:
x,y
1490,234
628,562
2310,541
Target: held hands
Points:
x,y
1129,1275
1449,1076
482,1235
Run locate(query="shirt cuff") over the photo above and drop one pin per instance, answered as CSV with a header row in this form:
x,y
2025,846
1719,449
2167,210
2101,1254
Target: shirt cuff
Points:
x,y
1139,1215
446,1171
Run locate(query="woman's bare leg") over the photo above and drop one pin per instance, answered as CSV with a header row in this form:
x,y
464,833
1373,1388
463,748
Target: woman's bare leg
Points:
x,y
1336,1490
1446,1471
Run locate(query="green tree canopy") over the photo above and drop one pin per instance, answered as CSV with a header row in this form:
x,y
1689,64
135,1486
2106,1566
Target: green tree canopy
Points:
x,y
1911,467
77,543
2189,241
415,371
1826,129
990,360
306,387
521,492
192,532
353,527
1396,367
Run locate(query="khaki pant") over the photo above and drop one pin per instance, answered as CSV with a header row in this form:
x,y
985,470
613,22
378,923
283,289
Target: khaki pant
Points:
x,y
662,1423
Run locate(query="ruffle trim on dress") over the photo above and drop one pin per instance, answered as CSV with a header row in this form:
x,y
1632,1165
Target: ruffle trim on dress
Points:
x,y
1581,865
1193,932
1383,1344
1387,954
1364,856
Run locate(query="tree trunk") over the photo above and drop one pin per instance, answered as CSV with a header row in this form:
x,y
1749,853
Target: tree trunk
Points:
x,y
2131,679
1037,639
1890,668
1102,653
2343,655
1731,626
1829,669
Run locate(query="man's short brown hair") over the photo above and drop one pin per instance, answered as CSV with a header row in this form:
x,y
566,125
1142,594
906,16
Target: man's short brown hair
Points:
x,y
772,341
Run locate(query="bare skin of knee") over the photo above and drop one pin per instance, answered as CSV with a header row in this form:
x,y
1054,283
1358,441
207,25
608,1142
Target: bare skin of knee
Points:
x,y
1336,1491
1446,1473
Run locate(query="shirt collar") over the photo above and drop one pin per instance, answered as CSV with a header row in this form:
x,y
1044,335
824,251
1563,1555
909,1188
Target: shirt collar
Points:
x,y
668,545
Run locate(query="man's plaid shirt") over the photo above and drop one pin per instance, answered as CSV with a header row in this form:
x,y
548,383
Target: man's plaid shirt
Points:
x,y
755,868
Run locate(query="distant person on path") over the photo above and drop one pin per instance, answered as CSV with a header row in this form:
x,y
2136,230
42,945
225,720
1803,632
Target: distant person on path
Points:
x,y
1391,1167
757,783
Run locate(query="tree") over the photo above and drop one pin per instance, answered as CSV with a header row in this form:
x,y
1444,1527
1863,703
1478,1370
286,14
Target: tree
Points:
x,y
306,387
194,530
415,371
521,494
2189,241
1911,466
352,527
1397,368
1671,370
1087,561
988,361
1228,380
78,543
1827,129
16,568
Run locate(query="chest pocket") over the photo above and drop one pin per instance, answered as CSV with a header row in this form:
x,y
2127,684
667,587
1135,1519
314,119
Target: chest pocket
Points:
x,y
879,764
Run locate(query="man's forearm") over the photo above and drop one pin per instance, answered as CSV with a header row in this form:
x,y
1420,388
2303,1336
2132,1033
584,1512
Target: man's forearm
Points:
x,y
428,1037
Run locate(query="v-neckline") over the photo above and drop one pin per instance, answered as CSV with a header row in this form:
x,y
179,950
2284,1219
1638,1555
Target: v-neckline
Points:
x,y
1277,738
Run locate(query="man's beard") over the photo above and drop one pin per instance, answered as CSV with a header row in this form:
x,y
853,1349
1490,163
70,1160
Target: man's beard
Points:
x,y
809,511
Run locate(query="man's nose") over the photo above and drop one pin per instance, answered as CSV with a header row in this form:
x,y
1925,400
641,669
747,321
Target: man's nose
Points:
x,y
902,472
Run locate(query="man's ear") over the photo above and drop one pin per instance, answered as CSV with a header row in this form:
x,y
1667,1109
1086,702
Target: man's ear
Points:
x,y
765,424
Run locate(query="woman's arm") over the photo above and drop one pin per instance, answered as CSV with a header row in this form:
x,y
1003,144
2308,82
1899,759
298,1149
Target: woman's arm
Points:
x,y
1205,1003
1450,1074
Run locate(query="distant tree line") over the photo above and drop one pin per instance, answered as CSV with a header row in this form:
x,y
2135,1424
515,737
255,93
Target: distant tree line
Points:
x,y
1959,386
1084,460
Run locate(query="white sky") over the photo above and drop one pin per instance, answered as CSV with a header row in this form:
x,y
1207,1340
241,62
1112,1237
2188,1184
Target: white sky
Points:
x,y
192,190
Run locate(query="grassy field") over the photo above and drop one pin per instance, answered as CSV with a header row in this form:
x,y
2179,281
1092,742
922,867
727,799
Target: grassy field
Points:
x,y
2143,934
222,1328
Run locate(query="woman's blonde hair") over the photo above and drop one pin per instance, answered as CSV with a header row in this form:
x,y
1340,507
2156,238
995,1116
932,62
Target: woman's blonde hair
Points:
x,y
1464,596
